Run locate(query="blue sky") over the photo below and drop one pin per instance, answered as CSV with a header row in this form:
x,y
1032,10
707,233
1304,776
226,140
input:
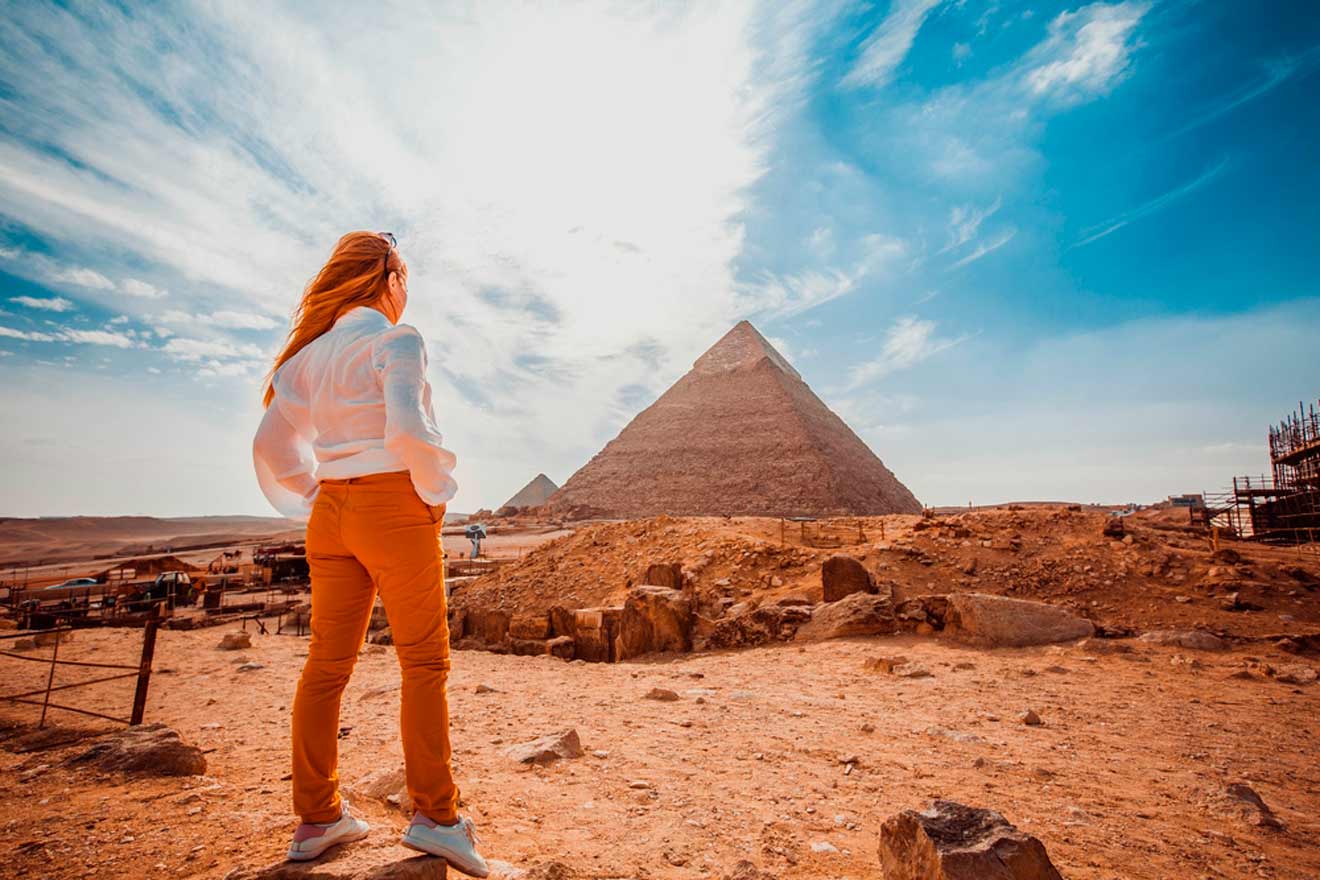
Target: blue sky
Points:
x,y
1027,251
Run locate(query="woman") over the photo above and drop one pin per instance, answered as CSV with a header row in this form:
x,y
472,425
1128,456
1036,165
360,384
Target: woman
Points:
x,y
349,438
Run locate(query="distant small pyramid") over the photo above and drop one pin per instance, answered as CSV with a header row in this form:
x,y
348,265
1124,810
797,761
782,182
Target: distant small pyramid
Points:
x,y
534,494
741,433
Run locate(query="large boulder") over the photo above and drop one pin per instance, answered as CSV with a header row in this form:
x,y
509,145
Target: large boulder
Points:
x,y
489,626
235,641
860,614
594,631
842,576
532,625
759,626
561,647
561,622
527,647
1000,622
951,841
153,749
654,619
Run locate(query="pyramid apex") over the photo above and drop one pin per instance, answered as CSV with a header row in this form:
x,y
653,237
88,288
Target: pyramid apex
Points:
x,y
743,346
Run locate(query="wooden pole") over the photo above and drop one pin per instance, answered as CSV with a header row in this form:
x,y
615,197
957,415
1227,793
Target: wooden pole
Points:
x,y
50,679
144,665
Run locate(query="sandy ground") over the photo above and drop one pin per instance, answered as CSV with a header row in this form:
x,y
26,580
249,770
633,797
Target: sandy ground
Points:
x,y
1122,780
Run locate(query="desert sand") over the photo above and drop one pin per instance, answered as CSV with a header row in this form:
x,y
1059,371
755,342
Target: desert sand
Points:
x,y
766,753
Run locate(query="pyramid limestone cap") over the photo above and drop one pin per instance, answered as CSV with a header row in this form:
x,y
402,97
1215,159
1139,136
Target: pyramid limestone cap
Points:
x,y
741,348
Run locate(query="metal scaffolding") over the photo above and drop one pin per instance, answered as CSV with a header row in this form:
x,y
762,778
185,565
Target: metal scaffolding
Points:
x,y
1283,508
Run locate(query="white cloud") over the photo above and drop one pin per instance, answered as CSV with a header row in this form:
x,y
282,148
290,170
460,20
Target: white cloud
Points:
x,y
226,319
821,242
908,342
120,319
886,47
242,320
45,303
81,277
98,337
73,335
1086,52
979,136
141,289
184,349
496,144
1036,419
29,335
217,369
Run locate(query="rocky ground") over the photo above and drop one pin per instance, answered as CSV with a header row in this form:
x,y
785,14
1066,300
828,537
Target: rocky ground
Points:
x,y
788,757
1160,573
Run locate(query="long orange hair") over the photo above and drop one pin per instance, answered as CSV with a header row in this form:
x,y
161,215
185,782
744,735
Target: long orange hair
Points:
x,y
356,274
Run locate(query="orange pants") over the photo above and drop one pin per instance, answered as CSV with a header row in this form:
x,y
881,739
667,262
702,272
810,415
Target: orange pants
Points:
x,y
370,534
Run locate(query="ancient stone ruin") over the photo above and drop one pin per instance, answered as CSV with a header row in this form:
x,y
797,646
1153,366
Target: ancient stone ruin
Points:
x,y
740,434
666,614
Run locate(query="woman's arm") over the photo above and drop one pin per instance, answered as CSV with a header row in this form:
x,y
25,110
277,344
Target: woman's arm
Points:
x,y
410,430
284,465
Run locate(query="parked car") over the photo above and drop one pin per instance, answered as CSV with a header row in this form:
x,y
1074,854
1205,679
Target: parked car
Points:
x,y
75,582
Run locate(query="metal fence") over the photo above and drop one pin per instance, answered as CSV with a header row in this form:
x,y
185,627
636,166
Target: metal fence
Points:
x,y
41,696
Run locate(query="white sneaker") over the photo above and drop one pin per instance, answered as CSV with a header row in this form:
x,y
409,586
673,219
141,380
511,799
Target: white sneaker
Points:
x,y
456,844
310,840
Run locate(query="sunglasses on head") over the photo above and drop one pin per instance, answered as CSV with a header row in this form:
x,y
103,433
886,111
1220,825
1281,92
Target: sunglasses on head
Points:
x,y
393,243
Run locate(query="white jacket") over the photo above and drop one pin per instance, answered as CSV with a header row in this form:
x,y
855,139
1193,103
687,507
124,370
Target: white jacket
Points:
x,y
353,402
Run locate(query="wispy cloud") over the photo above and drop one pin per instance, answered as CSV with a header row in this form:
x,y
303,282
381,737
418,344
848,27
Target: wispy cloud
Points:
x,y
1278,72
965,221
141,289
79,277
908,342
886,47
1112,225
44,303
988,247
784,295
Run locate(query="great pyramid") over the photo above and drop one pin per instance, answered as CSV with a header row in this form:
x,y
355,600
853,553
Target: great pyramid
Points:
x,y
742,434
534,494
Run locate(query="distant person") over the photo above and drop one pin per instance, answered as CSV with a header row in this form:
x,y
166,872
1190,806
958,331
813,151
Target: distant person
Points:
x,y
349,438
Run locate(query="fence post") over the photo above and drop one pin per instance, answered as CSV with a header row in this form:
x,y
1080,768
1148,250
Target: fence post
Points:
x,y
144,665
50,679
